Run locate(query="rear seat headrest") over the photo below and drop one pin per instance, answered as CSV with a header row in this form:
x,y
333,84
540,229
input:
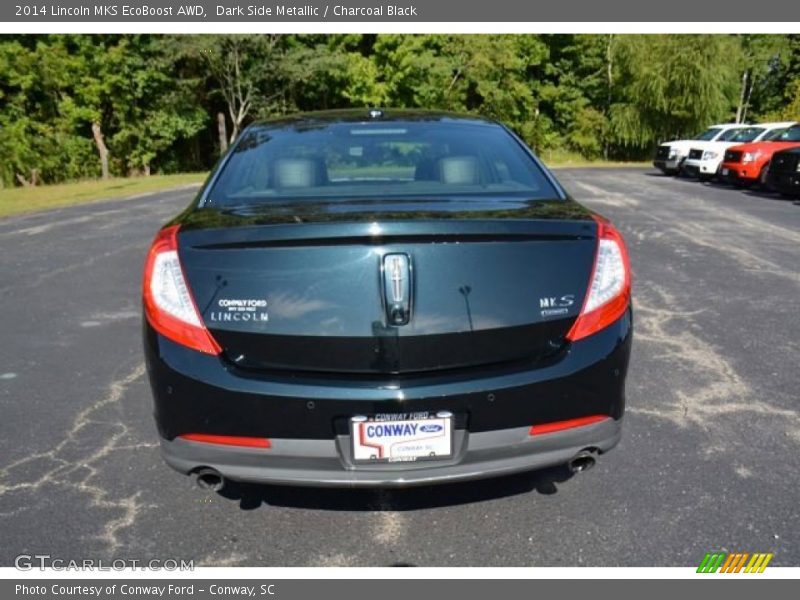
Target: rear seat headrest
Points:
x,y
459,170
298,172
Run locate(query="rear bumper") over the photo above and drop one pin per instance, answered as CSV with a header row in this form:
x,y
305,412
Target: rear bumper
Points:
x,y
307,418
326,462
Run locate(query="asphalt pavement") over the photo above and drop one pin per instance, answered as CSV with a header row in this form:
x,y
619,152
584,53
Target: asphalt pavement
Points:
x,y
708,461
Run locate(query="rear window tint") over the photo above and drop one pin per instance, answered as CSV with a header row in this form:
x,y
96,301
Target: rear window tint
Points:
x,y
377,160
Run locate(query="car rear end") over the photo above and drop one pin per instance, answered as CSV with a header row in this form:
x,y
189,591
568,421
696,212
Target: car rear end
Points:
x,y
468,321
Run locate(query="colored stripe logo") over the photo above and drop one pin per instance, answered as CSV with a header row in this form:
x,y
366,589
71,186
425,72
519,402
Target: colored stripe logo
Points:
x,y
734,562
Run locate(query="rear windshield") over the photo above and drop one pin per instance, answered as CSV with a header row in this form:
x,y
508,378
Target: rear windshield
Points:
x,y
708,134
748,134
789,135
377,160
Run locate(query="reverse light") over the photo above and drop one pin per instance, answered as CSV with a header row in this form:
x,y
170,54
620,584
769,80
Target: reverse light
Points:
x,y
554,426
168,303
228,440
609,292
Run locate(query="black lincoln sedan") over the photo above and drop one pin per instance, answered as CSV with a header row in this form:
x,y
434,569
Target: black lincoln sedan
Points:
x,y
381,298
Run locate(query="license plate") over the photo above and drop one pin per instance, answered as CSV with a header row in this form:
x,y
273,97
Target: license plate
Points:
x,y
724,172
397,440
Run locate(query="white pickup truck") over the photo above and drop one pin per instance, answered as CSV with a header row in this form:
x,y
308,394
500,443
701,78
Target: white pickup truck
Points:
x,y
670,156
705,157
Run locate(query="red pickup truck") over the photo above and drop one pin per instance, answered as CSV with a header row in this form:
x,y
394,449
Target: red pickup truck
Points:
x,y
747,164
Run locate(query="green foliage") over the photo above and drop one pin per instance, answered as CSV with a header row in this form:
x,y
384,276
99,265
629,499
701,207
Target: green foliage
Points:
x,y
55,87
672,85
791,110
780,90
156,98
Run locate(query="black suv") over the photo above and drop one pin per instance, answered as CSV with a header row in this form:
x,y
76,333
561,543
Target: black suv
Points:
x,y
784,172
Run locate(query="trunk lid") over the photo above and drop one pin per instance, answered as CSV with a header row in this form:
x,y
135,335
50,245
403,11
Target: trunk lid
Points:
x,y
309,288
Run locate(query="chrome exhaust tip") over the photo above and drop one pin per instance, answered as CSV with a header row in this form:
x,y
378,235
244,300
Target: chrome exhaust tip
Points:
x,y
209,479
582,461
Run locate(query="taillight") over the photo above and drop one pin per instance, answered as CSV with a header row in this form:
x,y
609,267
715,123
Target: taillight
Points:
x,y
609,293
168,303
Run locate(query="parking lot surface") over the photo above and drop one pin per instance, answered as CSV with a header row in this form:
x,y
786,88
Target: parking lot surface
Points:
x,y
708,459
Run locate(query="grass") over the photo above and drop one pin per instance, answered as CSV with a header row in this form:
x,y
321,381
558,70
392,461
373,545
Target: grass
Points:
x,y
19,200
562,159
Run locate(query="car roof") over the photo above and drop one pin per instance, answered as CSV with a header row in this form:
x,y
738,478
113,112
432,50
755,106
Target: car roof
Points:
x,y
371,115
776,125
773,125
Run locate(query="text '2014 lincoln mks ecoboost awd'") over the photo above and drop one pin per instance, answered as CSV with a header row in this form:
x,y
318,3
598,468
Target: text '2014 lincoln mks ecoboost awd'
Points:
x,y
378,298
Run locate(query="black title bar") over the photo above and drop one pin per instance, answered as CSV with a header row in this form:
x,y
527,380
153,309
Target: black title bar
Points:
x,y
404,11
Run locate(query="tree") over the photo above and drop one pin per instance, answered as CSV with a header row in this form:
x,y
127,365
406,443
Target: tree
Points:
x,y
243,68
761,56
576,91
78,106
147,108
668,86
485,74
